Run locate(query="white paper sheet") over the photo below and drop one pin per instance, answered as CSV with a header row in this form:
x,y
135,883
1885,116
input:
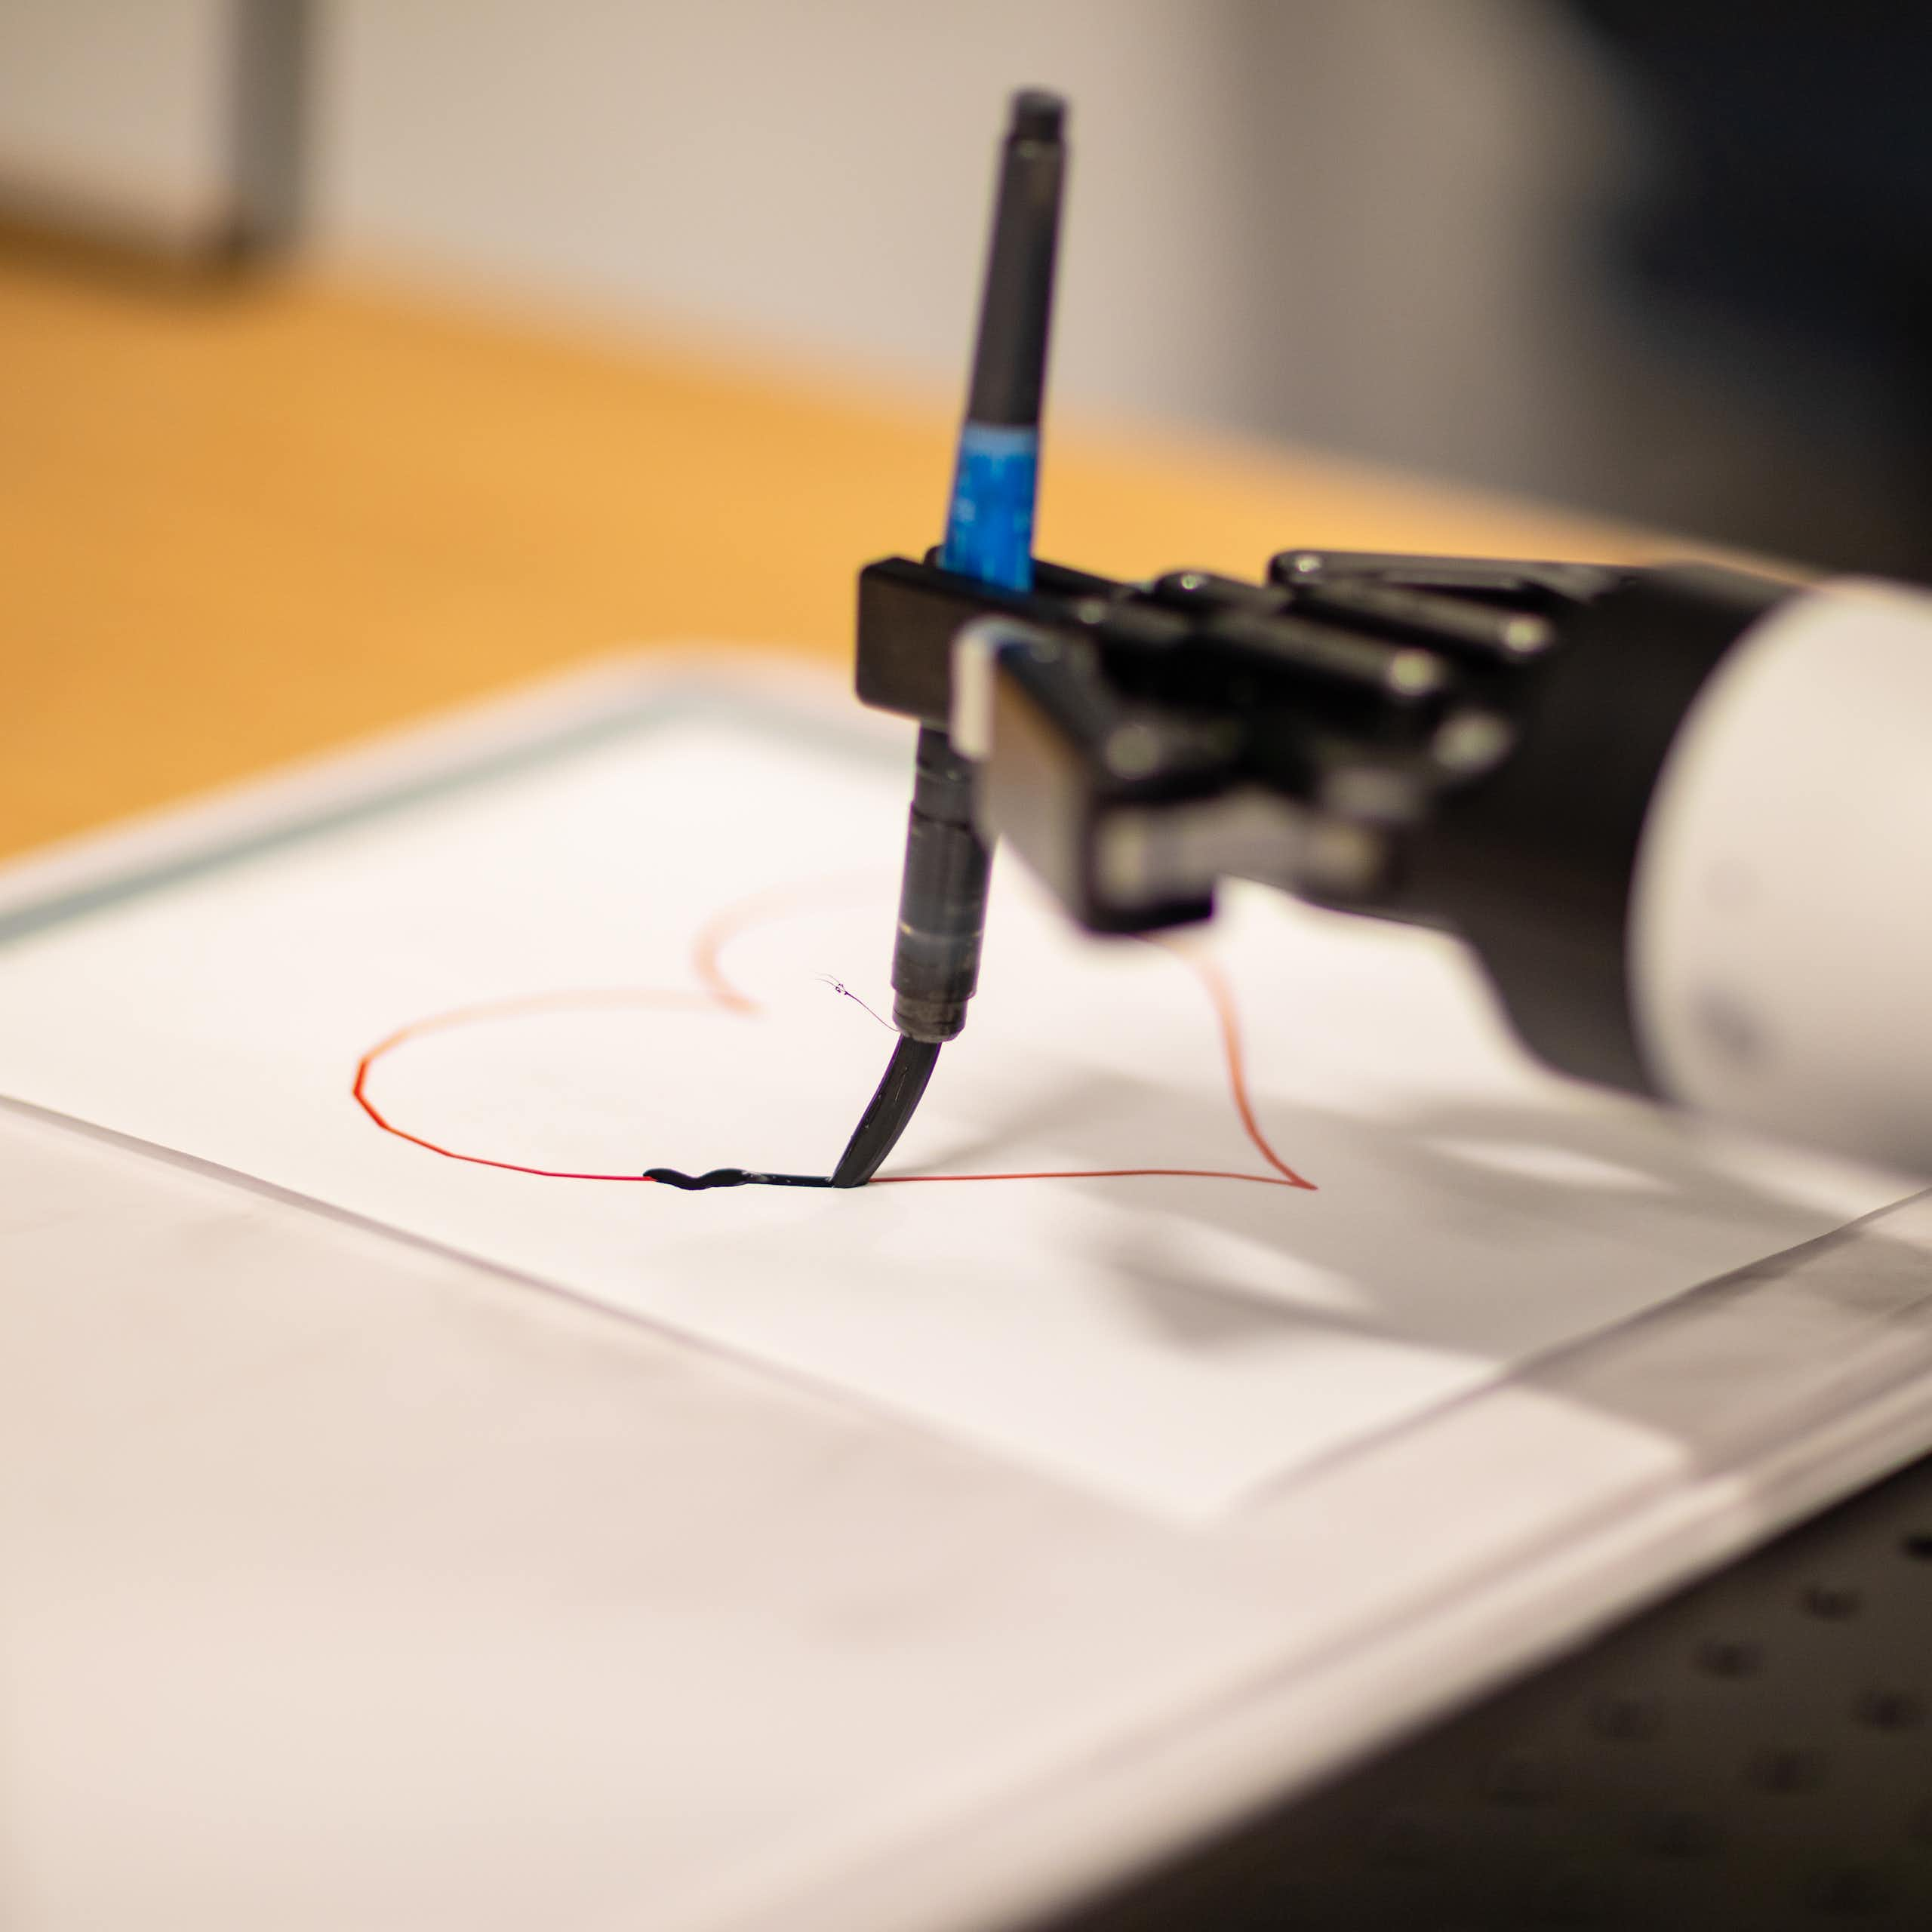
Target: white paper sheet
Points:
x,y
645,941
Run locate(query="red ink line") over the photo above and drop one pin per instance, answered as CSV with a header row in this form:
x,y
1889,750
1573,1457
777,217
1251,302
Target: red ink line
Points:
x,y
720,991
1102,1174
360,1090
1221,996
504,1009
759,908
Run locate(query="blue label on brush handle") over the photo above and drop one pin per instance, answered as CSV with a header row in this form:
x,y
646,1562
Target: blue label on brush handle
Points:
x,y
989,531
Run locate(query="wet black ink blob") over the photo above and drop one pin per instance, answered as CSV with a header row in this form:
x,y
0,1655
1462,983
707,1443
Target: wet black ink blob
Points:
x,y
731,1177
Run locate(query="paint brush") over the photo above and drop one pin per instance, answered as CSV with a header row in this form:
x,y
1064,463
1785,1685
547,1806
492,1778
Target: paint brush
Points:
x,y
989,535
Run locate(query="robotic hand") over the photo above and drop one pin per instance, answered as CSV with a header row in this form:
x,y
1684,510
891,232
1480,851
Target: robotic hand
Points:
x,y
1682,815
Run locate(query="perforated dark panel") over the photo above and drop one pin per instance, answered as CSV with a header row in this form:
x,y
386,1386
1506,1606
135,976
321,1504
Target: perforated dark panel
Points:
x,y
1755,1753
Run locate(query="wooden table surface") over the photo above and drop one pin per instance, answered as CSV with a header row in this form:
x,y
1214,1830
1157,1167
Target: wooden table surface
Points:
x,y
239,524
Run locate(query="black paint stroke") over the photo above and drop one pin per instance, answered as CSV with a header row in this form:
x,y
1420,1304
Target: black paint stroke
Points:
x,y
731,1177
887,1113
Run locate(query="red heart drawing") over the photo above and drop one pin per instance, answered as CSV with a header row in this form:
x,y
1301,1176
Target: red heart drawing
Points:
x,y
715,992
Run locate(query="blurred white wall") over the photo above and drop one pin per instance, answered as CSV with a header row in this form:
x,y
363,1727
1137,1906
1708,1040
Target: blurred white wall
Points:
x,y
816,176
117,111
1346,221
1426,177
